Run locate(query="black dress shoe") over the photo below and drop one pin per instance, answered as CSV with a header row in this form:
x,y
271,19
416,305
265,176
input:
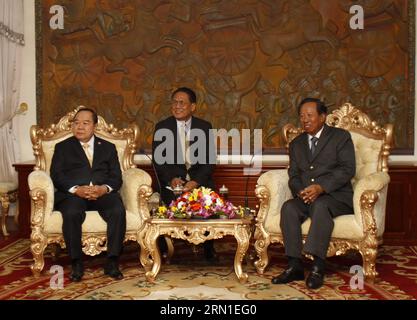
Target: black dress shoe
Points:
x,y
289,275
315,278
77,270
112,269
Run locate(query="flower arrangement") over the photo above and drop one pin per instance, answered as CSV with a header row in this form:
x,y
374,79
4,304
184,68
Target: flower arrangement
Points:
x,y
201,203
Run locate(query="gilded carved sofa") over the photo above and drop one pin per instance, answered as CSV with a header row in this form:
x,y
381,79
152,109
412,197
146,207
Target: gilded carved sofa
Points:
x,y
46,223
361,231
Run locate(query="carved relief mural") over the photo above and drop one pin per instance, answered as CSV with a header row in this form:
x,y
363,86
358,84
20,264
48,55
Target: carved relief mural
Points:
x,y
250,62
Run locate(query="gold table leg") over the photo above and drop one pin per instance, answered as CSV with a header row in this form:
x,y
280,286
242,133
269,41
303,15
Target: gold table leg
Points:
x,y
5,203
150,241
242,238
144,251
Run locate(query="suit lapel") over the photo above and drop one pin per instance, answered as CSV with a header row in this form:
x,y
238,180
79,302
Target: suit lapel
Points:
x,y
78,150
193,126
306,146
324,138
172,126
98,150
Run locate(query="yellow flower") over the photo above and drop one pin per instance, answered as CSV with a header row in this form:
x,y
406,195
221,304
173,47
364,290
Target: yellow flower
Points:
x,y
162,209
205,191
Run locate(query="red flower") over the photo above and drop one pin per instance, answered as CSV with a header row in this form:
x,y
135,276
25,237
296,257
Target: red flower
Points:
x,y
195,206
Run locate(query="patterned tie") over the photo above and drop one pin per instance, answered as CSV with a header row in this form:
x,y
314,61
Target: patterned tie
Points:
x,y
87,153
313,144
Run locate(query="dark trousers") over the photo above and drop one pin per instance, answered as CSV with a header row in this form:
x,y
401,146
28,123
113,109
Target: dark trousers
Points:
x,y
322,211
110,208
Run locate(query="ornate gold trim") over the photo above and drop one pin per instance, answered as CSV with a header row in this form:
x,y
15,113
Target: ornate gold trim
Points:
x,y
38,238
144,193
262,238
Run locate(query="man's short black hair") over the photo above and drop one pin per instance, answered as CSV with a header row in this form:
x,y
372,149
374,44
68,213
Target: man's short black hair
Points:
x,y
321,107
191,94
94,113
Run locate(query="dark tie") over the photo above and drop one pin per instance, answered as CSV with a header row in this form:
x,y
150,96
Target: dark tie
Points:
x,y
313,144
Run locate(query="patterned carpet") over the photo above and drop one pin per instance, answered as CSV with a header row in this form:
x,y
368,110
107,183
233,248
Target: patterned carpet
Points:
x,y
190,277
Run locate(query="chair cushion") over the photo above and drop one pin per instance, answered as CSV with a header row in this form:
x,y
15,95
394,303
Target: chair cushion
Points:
x,y
92,223
367,155
7,186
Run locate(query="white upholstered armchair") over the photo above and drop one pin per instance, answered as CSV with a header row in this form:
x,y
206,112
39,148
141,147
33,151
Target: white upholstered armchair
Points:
x,y
361,231
47,224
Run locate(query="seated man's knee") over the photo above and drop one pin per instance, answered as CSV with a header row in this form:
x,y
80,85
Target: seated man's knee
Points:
x,y
320,206
288,210
72,208
116,206
288,207
320,203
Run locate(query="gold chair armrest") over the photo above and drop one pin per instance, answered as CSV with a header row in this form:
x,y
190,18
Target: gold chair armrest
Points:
x,y
272,191
369,202
41,191
136,190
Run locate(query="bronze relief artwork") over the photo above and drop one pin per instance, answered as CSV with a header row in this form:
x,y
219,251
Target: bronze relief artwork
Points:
x,y
250,62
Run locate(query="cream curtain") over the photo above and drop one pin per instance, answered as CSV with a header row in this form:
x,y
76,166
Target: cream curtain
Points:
x,y
11,44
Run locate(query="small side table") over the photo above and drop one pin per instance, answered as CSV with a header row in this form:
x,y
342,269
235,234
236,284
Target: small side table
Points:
x,y
8,194
195,231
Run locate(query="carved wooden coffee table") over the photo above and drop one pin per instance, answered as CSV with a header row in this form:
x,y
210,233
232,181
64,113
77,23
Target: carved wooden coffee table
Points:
x,y
195,231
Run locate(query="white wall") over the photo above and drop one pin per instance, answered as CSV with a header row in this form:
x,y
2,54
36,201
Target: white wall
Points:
x,y
28,82
28,92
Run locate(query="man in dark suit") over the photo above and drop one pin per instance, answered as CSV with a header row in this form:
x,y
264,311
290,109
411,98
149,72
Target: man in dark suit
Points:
x,y
86,173
173,166
322,163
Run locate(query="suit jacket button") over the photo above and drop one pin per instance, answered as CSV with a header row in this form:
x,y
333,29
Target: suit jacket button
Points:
x,y
311,167
312,180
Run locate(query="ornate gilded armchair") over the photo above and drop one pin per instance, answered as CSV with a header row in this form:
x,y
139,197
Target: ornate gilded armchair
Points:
x,y
361,231
47,224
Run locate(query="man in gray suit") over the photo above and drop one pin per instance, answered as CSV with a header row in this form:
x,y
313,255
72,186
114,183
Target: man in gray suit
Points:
x,y
322,163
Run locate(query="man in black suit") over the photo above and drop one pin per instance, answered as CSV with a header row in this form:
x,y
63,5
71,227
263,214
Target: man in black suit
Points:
x,y
172,165
322,164
86,173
